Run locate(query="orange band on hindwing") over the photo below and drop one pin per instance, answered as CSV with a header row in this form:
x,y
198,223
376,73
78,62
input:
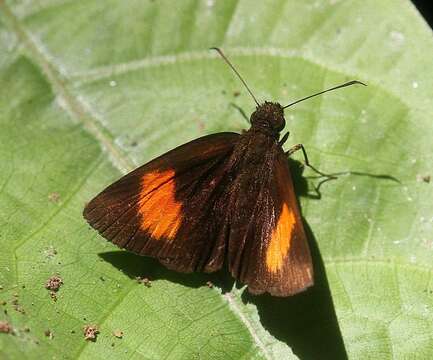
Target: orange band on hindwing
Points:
x,y
279,245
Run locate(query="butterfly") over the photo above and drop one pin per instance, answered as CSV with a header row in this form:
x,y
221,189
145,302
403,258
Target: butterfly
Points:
x,y
222,198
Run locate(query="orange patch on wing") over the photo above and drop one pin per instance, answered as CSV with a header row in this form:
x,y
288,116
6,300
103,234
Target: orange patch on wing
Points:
x,y
160,211
280,241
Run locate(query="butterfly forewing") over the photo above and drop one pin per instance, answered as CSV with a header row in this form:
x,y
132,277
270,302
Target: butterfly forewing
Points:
x,y
167,208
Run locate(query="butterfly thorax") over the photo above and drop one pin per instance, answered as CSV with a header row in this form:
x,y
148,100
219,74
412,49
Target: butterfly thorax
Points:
x,y
268,117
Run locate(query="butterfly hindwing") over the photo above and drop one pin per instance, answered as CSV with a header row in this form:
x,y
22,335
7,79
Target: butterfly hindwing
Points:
x,y
268,248
167,208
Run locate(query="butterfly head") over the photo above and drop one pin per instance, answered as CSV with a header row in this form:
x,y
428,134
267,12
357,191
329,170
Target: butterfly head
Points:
x,y
270,116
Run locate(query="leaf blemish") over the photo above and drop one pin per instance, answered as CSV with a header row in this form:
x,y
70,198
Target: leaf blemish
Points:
x,y
54,283
5,327
54,197
90,332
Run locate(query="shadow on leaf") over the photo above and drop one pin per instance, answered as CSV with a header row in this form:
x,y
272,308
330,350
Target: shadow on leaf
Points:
x,y
306,322
136,266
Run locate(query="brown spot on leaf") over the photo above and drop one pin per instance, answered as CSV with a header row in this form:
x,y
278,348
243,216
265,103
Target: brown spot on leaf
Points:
x,y
54,283
16,305
5,327
49,334
90,332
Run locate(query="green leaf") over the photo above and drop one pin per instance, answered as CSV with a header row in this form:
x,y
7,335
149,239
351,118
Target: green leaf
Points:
x,y
91,89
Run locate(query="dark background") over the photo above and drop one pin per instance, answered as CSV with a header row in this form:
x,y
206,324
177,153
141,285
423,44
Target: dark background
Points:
x,y
425,7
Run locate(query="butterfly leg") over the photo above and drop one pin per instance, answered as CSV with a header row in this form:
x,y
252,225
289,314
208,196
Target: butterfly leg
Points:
x,y
297,147
284,138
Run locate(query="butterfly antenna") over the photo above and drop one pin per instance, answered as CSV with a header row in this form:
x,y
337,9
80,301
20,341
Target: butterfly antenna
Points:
x,y
353,82
236,72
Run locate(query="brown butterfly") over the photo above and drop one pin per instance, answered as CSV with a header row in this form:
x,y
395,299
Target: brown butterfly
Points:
x,y
222,197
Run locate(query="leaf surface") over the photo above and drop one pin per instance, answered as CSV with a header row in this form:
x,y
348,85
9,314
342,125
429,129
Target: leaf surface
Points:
x,y
90,90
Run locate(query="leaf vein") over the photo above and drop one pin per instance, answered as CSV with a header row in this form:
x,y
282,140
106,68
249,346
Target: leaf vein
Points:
x,y
58,81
